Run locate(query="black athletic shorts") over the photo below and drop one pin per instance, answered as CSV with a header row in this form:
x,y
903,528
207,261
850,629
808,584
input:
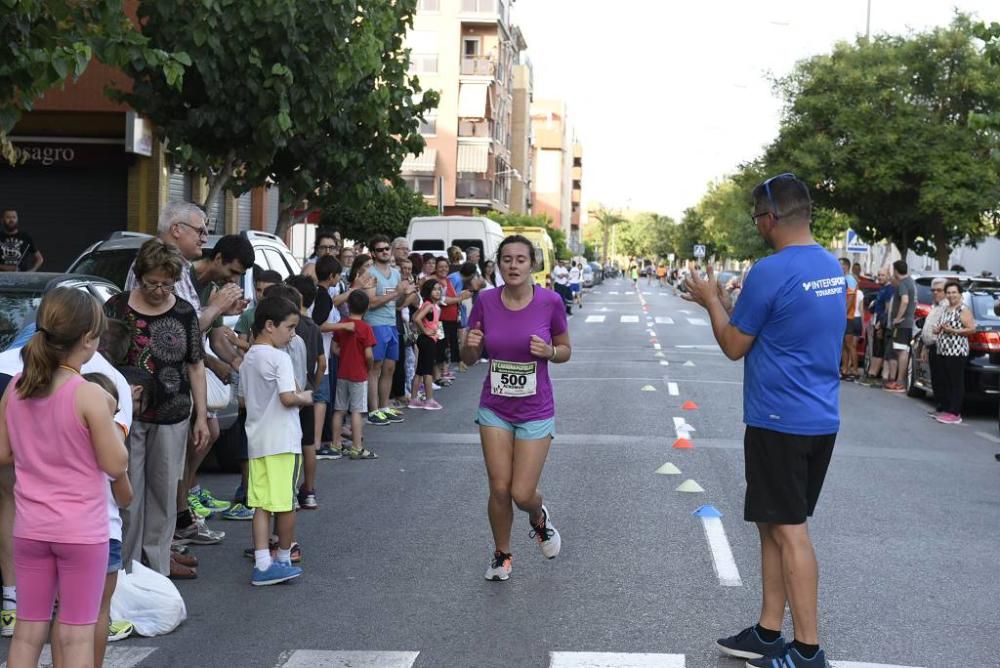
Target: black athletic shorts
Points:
x,y
784,474
307,421
902,335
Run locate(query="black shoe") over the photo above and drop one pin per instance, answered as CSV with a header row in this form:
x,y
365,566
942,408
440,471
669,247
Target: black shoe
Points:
x,y
997,456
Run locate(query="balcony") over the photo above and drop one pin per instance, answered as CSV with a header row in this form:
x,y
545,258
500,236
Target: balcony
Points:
x,y
473,188
480,66
486,11
475,129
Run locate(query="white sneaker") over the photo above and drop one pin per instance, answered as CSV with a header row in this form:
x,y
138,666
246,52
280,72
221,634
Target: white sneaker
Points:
x,y
500,567
547,537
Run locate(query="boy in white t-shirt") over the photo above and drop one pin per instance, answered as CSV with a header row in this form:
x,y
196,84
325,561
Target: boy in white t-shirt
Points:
x,y
274,437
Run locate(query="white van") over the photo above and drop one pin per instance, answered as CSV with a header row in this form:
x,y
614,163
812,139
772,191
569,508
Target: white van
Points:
x,y
435,234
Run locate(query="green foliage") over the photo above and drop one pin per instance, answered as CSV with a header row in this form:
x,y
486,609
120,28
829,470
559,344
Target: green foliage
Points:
x,y
45,42
884,132
384,210
606,220
589,251
561,248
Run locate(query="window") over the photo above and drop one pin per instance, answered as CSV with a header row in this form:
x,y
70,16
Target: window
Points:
x,y
428,245
423,45
428,5
429,126
277,262
470,47
421,184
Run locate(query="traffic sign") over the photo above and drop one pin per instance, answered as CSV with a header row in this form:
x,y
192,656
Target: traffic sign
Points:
x,y
699,251
854,244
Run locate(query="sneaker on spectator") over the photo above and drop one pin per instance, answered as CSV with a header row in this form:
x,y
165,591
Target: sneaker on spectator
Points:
x,y
747,644
789,658
432,405
238,511
393,414
949,418
417,403
198,508
277,573
8,620
307,499
435,386
362,453
209,501
894,387
198,534
378,418
119,630
326,452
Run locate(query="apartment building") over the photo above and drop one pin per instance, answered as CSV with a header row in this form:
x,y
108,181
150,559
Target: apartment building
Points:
x,y
522,152
557,180
466,50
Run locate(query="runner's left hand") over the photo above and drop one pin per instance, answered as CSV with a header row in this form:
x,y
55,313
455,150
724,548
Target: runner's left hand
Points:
x,y
539,348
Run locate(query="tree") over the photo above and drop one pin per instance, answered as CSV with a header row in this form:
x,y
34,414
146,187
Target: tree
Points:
x,y
45,42
384,210
607,220
881,132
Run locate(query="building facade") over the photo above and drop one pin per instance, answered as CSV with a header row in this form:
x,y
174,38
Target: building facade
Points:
x,y
522,152
466,50
557,180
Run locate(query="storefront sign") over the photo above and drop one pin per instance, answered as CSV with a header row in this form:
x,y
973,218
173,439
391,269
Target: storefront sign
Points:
x,y
138,134
67,154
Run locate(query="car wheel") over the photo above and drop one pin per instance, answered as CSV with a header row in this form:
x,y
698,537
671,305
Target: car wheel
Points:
x,y
911,388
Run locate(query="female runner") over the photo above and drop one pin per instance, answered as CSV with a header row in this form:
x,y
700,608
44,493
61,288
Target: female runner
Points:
x,y
523,327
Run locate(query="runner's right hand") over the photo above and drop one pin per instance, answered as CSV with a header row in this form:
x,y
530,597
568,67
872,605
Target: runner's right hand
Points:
x,y
474,337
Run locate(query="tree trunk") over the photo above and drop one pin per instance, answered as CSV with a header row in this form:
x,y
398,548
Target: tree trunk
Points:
x,y
942,249
607,240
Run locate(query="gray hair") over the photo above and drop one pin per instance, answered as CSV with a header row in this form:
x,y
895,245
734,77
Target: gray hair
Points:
x,y
473,248
399,241
939,281
178,212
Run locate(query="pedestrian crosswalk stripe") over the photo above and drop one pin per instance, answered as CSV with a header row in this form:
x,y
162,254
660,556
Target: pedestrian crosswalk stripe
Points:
x,y
630,318
664,320
613,292
595,318
698,321
116,656
315,658
630,293
664,294
614,660
863,664
673,389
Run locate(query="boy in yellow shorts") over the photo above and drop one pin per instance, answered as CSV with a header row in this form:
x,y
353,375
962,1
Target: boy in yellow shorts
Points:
x,y
274,437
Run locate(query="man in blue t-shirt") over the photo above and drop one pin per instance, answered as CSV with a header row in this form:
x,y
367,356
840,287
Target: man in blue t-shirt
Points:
x,y
789,327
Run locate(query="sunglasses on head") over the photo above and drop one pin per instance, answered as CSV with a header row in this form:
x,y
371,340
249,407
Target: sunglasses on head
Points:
x,y
773,208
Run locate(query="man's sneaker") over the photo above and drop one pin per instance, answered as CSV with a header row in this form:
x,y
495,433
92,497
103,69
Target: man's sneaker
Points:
x,y
238,511
547,536
435,386
789,658
307,500
8,620
949,418
500,567
378,418
432,405
747,644
419,402
326,452
362,453
277,573
198,534
198,509
209,501
393,415
119,630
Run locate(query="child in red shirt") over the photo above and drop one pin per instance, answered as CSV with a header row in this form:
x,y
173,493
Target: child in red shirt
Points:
x,y
354,346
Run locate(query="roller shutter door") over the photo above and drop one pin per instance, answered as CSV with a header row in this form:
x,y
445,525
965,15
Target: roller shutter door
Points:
x,y
243,212
179,187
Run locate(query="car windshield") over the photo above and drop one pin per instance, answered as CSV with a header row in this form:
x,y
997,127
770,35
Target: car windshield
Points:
x,y
15,310
982,307
112,265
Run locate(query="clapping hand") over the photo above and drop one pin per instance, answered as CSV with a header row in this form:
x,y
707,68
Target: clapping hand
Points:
x,y
701,290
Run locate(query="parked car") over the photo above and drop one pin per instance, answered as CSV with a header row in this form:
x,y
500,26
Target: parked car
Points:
x,y
22,292
982,372
597,273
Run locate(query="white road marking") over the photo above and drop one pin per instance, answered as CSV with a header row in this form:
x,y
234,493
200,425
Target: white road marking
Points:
x,y
613,292
630,318
722,554
116,657
684,310
664,294
698,347
864,664
988,437
315,658
630,292
664,363
612,660
682,427
657,346
698,321
673,389
663,320
689,363
595,318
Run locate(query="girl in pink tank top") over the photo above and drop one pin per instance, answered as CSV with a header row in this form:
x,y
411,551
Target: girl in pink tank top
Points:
x,y
428,322
59,433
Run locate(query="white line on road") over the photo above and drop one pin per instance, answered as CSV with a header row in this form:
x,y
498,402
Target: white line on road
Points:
x,y
657,346
630,293
612,660
116,657
863,664
698,321
612,292
664,363
713,346
314,658
663,320
722,554
630,318
988,437
595,318
681,425
664,294
672,389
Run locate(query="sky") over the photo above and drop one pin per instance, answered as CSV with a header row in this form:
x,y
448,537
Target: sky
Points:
x,y
668,96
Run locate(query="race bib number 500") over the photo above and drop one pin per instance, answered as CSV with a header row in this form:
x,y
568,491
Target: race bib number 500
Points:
x,y
513,379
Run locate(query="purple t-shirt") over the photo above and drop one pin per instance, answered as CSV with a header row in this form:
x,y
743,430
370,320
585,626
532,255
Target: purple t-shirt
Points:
x,y
517,386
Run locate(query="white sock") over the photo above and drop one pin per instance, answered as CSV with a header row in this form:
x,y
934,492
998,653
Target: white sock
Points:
x,y
284,556
262,559
10,598
196,490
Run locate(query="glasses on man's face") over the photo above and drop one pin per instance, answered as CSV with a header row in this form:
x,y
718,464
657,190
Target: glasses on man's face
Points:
x,y
383,249
200,230
327,248
167,288
937,289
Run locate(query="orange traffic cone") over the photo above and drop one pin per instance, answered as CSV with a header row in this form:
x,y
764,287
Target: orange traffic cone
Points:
x,y
689,406
683,444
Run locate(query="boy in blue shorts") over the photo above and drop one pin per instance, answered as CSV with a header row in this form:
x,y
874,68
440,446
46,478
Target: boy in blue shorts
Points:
x,y
274,437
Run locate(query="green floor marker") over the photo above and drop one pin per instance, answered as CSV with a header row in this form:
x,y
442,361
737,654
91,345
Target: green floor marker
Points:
x,y
690,486
668,469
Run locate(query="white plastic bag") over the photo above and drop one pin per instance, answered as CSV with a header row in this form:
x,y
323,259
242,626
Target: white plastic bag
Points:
x,y
149,600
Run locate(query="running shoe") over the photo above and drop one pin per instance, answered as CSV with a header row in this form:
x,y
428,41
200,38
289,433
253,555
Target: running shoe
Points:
x,y
198,508
547,536
209,501
949,418
326,452
789,658
238,511
362,453
307,499
378,418
8,620
119,630
747,644
432,405
277,573
417,403
393,414
435,386
198,534
500,567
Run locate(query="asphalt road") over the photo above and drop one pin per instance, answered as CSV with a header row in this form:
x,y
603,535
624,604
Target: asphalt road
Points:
x,y
906,530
